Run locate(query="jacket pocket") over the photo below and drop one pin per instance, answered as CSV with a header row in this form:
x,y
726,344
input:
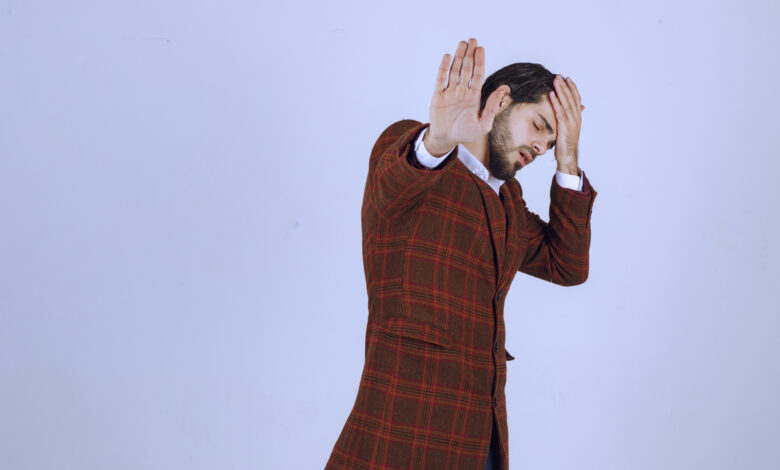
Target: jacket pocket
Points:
x,y
415,329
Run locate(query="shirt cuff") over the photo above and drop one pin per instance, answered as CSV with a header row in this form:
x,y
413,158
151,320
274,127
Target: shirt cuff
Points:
x,y
423,156
566,180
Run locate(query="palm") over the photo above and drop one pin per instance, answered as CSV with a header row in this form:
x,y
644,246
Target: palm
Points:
x,y
454,110
458,114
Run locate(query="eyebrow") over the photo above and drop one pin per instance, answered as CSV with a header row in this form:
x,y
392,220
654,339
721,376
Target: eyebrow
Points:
x,y
550,144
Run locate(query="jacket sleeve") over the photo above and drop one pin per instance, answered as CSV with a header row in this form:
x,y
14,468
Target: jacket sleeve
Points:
x,y
558,251
398,181
424,156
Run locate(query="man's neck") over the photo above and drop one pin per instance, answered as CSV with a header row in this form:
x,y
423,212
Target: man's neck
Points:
x,y
479,148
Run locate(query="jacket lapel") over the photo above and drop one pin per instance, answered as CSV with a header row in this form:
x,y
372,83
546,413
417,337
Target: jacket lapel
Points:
x,y
496,222
509,191
502,223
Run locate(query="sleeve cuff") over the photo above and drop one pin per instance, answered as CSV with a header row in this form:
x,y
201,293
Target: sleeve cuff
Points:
x,y
573,204
568,181
423,156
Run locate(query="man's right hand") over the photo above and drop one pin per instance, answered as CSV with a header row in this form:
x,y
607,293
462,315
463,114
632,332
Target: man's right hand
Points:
x,y
454,111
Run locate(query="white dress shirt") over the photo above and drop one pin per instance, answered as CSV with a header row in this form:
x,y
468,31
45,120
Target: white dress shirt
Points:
x,y
425,158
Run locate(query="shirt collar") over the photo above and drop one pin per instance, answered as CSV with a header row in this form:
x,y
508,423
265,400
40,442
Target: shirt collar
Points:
x,y
476,167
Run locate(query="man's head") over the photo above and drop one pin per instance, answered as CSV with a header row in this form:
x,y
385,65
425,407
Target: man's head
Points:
x,y
525,122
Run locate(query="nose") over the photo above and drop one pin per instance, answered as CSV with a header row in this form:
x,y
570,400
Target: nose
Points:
x,y
539,149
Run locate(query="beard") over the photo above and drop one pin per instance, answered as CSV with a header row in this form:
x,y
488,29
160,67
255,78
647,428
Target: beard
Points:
x,y
500,151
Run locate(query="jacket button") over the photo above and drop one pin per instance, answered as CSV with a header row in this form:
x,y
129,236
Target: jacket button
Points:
x,y
495,401
495,348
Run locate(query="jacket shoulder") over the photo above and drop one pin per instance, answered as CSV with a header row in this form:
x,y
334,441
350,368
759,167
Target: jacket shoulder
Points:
x,y
399,127
396,130
390,135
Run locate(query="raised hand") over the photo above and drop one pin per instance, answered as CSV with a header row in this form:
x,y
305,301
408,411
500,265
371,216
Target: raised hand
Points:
x,y
566,103
454,110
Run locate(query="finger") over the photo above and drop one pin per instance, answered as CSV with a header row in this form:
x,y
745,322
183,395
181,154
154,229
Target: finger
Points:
x,y
575,92
441,75
557,108
468,63
558,96
489,111
455,69
575,97
572,106
564,94
479,68
555,100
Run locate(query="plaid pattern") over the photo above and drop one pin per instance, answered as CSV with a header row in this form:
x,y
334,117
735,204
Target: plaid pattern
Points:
x,y
440,250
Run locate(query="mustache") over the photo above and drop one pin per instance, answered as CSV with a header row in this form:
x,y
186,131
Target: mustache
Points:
x,y
531,153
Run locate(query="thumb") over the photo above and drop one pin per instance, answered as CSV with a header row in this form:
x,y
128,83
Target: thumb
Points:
x,y
489,112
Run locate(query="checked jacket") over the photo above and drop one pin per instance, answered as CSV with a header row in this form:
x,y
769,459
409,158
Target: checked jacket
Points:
x,y
440,250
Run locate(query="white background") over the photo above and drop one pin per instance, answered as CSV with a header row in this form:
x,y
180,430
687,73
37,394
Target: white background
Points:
x,y
181,278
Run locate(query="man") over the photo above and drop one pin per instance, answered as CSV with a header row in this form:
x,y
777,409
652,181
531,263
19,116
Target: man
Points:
x,y
445,229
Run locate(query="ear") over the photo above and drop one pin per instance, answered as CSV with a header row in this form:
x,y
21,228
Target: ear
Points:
x,y
505,100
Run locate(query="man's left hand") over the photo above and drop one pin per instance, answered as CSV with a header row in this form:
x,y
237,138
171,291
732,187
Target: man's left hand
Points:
x,y
568,108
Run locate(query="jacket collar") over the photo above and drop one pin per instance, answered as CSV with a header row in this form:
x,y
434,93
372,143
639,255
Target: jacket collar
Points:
x,y
475,166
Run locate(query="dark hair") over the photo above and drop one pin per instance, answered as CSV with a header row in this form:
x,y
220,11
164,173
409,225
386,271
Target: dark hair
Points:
x,y
527,81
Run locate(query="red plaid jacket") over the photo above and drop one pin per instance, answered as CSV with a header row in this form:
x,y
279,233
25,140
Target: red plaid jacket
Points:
x,y
440,249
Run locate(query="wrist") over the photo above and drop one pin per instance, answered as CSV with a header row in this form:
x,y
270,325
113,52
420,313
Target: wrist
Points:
x,y
436,147
569,168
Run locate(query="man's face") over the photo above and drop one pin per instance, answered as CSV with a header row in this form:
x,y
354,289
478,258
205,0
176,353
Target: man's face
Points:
x,y
520,133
